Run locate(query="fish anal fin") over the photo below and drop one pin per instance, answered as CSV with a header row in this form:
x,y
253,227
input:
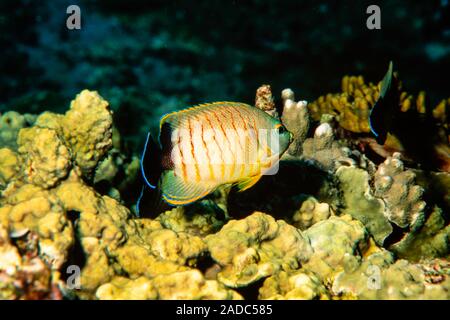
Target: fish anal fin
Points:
x,y
248,183
177,191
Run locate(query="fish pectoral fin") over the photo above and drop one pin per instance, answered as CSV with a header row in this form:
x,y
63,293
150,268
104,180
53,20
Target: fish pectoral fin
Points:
x,y
176,191
247,183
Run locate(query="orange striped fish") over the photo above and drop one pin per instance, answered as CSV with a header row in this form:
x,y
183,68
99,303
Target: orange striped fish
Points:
x,y
210,145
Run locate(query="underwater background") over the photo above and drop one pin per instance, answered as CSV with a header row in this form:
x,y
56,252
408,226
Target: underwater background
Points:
x,y
348,216
148,58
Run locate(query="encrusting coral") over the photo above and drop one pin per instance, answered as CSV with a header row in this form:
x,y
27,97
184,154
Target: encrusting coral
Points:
x,y
334,241
86,128
361,204
299,285
256,247
311,212
379,277
183,285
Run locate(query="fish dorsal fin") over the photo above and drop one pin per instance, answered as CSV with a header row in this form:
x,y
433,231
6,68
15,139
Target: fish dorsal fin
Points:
x,y
247,183
176,191
177,117
382,113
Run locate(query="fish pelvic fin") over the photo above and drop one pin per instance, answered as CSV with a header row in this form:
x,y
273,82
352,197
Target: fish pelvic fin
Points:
x,y
248,183
176,191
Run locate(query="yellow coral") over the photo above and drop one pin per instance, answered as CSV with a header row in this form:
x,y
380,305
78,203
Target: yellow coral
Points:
x,y
175,286
46,158
351,107
9,166
86,128
300,285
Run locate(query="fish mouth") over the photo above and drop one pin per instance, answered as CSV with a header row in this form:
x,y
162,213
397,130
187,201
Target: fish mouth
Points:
x,y
291,137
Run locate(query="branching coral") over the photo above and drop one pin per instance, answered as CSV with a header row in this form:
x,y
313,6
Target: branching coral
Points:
x,y
402,197
426,242
296,119
351,107
264,100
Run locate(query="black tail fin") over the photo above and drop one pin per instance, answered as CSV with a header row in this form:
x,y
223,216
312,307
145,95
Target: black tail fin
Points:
x,y
150,203
151,162
150,197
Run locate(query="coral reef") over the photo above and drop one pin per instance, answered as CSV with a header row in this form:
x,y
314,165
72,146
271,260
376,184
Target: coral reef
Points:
x,y
361,204
86,127
183,285
296,119
23,274
402,197
379,277
10,124
427,241
351,107
334,241
256,247
310,212
264,100
352,228
202,218
295,286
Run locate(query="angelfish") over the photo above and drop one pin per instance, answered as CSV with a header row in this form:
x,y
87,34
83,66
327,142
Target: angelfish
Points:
x,y
209,145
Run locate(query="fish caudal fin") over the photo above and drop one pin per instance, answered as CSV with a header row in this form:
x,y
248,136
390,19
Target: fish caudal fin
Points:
x,y
150,203
176,191
151,162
